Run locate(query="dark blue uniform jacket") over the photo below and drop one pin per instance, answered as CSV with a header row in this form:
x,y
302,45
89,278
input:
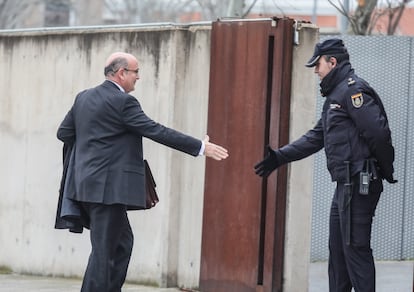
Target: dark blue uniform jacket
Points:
x,y
353,127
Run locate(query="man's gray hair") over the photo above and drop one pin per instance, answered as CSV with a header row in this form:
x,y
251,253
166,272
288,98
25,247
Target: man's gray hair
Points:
x,y
115,65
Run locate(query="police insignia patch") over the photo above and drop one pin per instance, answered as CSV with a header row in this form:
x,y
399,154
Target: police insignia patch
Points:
x,y
357,100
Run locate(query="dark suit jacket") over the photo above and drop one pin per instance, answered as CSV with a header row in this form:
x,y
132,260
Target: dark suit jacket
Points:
x,y
69,213
106,126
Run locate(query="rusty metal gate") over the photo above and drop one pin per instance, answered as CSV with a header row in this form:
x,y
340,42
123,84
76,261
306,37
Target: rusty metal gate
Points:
x,y
249,100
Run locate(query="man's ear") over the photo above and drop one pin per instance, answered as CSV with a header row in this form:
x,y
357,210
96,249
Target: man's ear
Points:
x,y
333,61
120,73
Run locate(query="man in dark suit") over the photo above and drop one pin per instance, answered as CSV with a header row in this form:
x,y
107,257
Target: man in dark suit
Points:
x,y
105,126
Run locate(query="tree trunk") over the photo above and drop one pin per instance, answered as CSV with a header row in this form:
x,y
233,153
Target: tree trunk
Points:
x,y
361,19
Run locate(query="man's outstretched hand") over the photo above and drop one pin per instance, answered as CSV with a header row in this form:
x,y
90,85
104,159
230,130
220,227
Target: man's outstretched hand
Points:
x,y
267,165
214,151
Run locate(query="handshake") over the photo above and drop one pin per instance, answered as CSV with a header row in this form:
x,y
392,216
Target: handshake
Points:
x,y
268,164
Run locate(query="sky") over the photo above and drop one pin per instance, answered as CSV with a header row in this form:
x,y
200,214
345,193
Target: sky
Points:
x,y
301,6
305,6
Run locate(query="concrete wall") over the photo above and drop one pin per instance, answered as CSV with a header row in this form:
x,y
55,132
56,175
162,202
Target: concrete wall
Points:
x,y
300,173
40,74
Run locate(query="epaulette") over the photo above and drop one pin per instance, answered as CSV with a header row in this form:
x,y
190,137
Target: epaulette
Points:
x,y
351,81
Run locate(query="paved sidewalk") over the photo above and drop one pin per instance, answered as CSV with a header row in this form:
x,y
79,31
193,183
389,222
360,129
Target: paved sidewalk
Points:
x,y
391,277
21,283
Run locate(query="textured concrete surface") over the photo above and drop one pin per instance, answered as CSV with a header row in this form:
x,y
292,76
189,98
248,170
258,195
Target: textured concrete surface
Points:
x,y
20,283
391,277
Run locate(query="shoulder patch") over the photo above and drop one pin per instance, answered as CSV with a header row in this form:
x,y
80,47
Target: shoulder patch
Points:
x,y
351,81
357,100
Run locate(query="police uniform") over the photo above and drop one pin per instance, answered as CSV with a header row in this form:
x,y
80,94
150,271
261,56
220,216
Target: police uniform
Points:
x,y
354,131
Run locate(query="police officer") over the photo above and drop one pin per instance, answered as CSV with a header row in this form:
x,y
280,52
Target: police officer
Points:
x,y
353,129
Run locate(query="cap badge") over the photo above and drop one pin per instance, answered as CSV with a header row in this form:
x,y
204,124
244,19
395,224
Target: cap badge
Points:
x,y
357,100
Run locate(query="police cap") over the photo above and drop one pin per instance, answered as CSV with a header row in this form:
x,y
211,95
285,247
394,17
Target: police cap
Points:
x,y
328,47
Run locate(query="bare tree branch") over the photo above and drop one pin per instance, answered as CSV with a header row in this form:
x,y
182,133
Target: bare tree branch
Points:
x,y
13,13
249,9
395,17
340,8
368,12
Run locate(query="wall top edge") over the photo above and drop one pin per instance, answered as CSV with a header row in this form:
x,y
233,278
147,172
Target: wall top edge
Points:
x,y
156,26
106,28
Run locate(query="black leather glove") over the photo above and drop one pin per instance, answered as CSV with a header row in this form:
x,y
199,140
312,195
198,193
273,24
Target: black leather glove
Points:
x,y
267,165
385,154
387,170
391,179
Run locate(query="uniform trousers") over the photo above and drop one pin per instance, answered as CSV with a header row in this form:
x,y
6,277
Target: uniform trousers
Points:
x,y
112,240
352,266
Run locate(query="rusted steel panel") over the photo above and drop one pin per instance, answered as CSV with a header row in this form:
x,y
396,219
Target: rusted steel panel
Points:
x,y
278,136
242,101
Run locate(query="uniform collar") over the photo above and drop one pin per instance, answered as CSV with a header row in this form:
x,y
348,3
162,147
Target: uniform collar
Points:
x,y
333,78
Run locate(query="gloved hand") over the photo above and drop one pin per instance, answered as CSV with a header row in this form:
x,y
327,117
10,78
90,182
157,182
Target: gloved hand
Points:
x,y
386,170
391,179
267,165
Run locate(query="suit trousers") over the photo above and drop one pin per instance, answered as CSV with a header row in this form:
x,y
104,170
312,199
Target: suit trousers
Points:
x,y
112,241
352,265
